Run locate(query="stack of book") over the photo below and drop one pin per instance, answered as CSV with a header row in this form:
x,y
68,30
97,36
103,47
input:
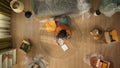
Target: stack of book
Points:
x,y
111,36
26,46
102,64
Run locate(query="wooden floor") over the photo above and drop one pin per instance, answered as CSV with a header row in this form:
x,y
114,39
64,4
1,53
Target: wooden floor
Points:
x,y
81,43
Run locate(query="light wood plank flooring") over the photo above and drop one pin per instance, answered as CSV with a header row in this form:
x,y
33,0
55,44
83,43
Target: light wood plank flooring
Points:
x,y
81,44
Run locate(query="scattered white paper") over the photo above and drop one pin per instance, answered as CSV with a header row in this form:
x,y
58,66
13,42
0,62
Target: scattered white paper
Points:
x,y
60,41
64,47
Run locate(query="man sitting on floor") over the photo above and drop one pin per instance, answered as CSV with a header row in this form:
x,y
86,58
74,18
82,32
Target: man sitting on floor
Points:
x,y
63,29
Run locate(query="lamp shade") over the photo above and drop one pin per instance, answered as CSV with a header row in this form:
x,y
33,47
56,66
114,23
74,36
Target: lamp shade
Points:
x,y
17,6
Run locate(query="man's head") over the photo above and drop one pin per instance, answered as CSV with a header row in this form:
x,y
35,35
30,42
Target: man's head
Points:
x,y
62,34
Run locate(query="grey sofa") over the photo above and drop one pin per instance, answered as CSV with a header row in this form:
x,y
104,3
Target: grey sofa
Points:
x,y
58,7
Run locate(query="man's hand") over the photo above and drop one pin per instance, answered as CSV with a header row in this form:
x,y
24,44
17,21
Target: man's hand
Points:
x,y
68,37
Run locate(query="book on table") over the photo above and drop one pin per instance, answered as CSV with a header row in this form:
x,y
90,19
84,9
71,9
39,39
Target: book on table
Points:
x,y
102,64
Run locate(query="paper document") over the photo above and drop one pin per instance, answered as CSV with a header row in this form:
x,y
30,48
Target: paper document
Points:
x,y
64,47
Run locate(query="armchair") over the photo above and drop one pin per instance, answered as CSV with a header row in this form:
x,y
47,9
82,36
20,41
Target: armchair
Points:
x,y
110,7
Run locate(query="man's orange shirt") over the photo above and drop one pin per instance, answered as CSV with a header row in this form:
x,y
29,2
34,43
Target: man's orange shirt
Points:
x,y
62,27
